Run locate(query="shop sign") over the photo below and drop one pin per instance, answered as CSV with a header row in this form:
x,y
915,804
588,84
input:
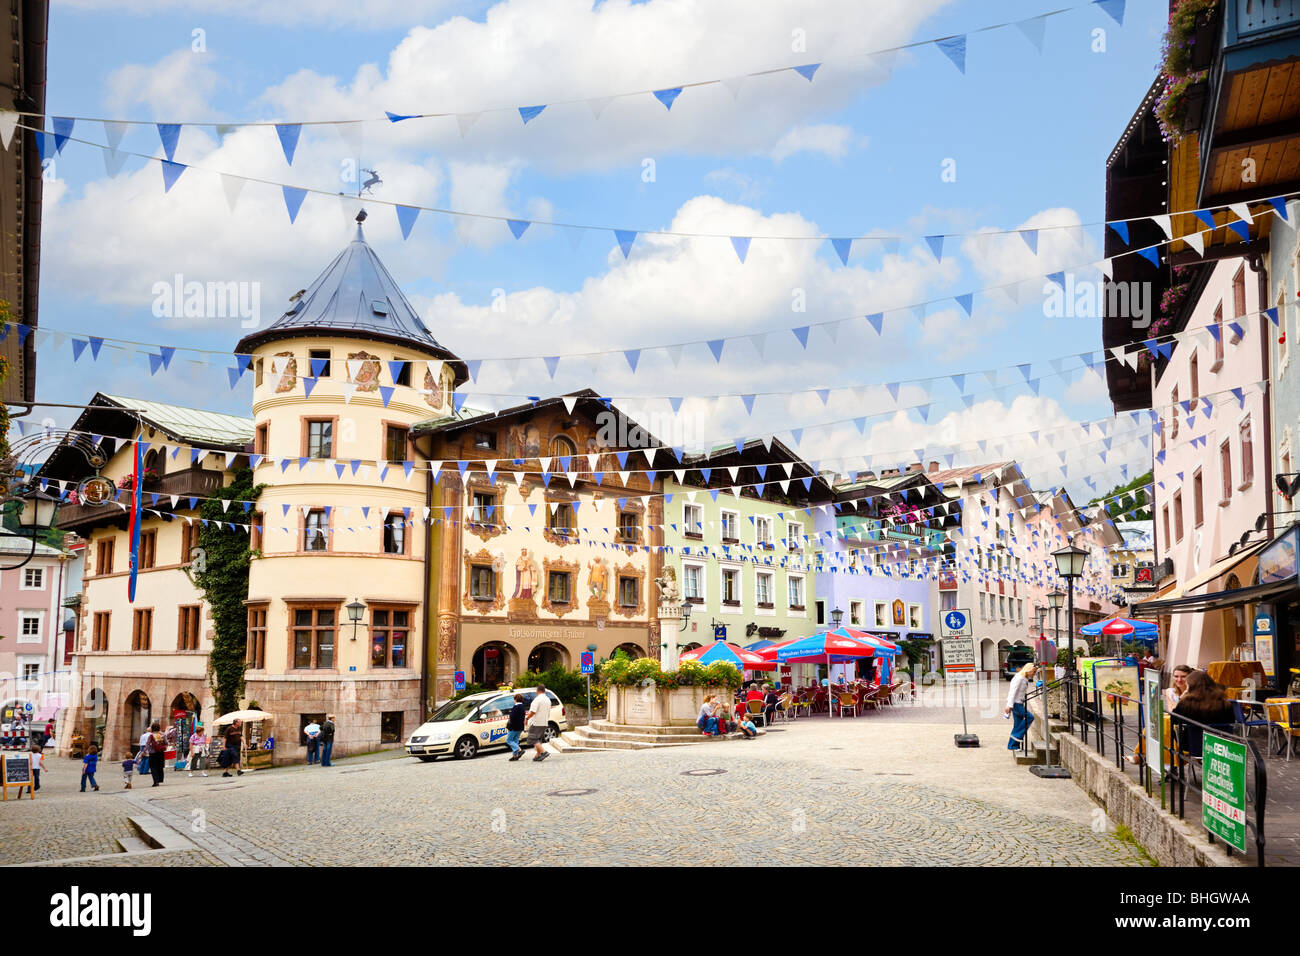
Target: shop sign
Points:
x,y
1277,562
17,773
1264,637
1223,799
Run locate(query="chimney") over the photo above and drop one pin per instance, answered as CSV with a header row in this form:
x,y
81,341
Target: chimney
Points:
x,y
915,467
934,466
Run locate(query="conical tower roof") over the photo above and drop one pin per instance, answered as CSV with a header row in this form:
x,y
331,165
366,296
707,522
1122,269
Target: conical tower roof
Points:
x,y
355,297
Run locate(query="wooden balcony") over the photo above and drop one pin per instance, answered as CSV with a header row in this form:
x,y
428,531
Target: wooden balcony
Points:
x,y
192,482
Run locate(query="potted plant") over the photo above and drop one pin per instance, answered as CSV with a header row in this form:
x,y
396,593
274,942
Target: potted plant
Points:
x,y
1190,39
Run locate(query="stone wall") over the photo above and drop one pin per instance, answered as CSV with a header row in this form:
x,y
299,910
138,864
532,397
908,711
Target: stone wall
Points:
x,y
1170,841
357,706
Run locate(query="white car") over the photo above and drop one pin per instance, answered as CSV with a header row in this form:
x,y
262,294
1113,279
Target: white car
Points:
x,y
464,727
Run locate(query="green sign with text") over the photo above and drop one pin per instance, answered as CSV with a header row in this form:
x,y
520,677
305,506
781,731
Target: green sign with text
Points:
x,y
1223,800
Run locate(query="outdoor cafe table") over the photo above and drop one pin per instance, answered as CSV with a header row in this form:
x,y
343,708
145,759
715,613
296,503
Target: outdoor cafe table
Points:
x,y
1292,703
1234,674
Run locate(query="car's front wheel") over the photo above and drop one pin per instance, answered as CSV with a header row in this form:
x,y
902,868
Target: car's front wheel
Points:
x,y
552,731
466,748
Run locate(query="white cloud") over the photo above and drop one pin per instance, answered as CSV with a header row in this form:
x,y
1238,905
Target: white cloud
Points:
x,y
174,89
1001,259
564,52
828,139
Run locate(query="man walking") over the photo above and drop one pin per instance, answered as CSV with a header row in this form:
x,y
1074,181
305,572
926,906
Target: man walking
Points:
x,y
312,733
327,740
539,720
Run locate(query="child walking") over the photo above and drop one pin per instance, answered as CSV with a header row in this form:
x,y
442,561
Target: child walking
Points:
x,y
89,764
128,768
38,764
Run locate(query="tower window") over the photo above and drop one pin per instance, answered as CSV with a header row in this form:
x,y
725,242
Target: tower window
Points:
x,y
319,363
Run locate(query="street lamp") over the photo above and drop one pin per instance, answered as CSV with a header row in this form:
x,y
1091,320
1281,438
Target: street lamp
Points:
x,y
1055,598
355,610
35,513
837,616
1070,562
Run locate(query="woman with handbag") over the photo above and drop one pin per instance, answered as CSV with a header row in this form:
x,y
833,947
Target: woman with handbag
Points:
x,y
198,751
157,752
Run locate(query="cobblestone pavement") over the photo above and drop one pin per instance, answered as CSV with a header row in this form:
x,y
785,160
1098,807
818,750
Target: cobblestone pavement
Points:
x,y
884,788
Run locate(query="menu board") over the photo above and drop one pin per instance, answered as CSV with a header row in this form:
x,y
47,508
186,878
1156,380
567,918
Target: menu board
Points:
x,y
17,773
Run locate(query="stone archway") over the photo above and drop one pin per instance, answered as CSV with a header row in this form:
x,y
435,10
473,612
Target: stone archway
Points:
x,y
546,655
633,651
139,714
493,664
988,655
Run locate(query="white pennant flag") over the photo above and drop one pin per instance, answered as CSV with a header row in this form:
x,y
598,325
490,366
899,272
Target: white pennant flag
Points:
x,y
8,123
569,402
1196,241
353,136
349,389
465,120
1242,210
1166,225
114,160
232,186
598,104
733,85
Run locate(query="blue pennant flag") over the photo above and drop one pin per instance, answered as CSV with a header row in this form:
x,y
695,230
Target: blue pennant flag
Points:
x,y
552,363
79,346
625,238
472,366
518,226
170,134
288,133
395,369
398,117
527,113
1113,7
406,216
1206,217
877,321
1236,330
1151,254
243,362
458,400
666,97
633,356
1279,206
231,373
1215,332
171,172
954,48
1031,239
842,249
1272,315
741,245
62,130
293,197
1241,228
1121,229
715,346
966,301
936,247
386,394
801,333
807,70
676,402
308,383
1058,278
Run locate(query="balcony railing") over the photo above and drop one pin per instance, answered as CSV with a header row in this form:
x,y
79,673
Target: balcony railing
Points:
x,y
1255,17
193,482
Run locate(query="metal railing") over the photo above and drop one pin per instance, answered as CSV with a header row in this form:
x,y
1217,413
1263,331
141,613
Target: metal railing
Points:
x,y
1101,714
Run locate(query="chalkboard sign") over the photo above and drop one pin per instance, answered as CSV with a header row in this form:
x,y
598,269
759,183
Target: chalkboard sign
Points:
x,y
18,773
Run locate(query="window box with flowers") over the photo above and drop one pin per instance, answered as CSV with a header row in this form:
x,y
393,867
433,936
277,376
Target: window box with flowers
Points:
x,y
148,478
1187,53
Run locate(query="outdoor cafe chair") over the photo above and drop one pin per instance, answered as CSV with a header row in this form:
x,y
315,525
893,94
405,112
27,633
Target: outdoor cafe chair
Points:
x,y
755,709
1245,721
1281,719
904,690
847,700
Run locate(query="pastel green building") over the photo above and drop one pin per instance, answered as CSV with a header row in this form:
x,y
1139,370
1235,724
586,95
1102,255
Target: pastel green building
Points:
x,y
738,532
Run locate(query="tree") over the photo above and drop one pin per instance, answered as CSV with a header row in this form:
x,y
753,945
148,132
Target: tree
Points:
x,y
220,570
1125,507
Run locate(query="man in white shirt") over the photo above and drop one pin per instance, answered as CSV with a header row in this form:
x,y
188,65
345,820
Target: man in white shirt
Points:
x,y
539,719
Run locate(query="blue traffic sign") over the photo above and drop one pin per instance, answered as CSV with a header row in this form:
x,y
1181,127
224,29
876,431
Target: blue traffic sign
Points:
x,y
460,680
955,620
588,662
955,623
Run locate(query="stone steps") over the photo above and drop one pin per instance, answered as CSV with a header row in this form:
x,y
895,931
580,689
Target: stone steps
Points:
x,y
602,735
1035,754
604,726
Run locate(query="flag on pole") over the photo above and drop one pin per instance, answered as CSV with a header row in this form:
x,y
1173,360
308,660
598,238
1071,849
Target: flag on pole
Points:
x,y
137,496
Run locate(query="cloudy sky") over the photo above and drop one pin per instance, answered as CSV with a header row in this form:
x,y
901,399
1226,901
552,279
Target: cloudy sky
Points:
x,y
897,145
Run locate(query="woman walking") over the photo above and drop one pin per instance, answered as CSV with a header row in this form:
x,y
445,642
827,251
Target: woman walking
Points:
x,y
157,752
515,726
198,750
1016,705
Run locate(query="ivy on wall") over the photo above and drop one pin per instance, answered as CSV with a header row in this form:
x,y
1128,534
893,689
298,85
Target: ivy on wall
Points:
x,y
220,570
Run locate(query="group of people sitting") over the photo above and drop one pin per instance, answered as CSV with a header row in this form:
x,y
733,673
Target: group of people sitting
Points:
x,y
718,718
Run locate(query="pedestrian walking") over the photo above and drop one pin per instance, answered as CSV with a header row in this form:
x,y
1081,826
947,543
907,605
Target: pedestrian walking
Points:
x,y
38,764
144,752
199,751
157,752
515,726
49,733
539,720
1016,705
89,764
231,756
327,741
312,733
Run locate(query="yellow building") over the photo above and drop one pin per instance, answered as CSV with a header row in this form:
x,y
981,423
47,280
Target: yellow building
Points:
x,y
142,661
338,382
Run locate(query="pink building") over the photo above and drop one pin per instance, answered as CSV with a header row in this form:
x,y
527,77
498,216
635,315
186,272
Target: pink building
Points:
x,y
1211,477
32,672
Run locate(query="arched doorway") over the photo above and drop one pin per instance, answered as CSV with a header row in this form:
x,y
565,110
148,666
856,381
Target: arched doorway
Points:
x,y
988,655
139,713
96,712
691,647
631,650
492,664
547,655
184,716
